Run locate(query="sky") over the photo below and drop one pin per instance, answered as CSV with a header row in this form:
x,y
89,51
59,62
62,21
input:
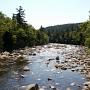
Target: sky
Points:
x,y
48,12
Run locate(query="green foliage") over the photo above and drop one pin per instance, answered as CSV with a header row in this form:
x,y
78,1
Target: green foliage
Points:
x,y
85,28
8,41
87,42
31,36
41,38
21,36
15,33
19,17
5,25
68,34
41,28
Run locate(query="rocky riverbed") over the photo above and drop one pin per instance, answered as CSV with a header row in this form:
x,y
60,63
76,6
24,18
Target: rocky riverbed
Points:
x,y
47,67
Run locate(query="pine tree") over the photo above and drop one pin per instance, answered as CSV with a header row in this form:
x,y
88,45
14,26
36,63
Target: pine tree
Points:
x,y
20,18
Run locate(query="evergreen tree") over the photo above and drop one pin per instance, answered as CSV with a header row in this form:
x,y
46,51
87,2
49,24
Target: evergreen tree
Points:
x,y
41,28
20,18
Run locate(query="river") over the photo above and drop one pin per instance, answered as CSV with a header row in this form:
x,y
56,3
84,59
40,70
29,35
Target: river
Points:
x,y
43,71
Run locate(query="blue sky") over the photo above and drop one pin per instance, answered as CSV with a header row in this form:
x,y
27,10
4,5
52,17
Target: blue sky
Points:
x,y
49,12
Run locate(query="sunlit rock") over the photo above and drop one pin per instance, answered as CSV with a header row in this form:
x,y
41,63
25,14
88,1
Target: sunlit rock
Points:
x,y
59,65
41,89
26,68
85,88
73,84
68,88
87,83
6,53
53,87
32,87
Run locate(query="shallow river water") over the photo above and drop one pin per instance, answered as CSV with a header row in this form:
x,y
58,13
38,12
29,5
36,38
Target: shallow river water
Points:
x,y
41,70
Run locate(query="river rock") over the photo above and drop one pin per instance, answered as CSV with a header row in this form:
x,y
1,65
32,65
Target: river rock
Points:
x,y
68,88
59,65
21,52
6,53
41,89
72,70
85,88
57,58
4,57
52,87
87,83
49,79
88,75
26,68
63,68
73,84
33,54
32,87
50,59
47,62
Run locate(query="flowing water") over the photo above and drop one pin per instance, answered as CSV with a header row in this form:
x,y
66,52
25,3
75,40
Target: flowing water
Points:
x,y
42,68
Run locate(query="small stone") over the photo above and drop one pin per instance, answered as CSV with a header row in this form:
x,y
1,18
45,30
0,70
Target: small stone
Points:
x,y
57,58
73,84
68,89
26,68
49,79
32,87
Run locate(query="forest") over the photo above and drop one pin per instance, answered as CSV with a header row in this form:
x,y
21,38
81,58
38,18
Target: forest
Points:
x,y
67,33
75,33
15,33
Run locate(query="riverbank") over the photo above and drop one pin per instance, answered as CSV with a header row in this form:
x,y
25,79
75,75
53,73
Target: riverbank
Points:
x,y
16,57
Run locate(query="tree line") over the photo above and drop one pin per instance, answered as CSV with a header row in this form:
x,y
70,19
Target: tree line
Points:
x,y
77,33
15,33
85,29
66,34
